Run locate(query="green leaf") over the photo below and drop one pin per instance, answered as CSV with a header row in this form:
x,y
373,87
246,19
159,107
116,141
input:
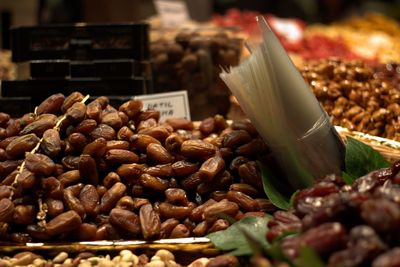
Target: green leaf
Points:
x,y
308,257
236,241
361,159
292,198
275,252
272,190
347,178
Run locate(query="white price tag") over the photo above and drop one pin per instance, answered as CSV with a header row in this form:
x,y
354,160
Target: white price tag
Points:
x,y
172,12
171,104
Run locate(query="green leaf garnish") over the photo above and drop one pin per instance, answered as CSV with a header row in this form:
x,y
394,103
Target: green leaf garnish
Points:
x,y
275,252
361,159
236,242
308,257
272,189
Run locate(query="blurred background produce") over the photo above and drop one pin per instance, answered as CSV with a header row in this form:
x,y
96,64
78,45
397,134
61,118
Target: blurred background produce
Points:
x,y
348,51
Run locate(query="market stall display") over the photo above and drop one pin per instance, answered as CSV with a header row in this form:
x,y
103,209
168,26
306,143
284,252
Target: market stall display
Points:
x,y
99,181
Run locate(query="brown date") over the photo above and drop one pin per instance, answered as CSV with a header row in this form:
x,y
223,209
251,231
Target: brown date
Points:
x,y
176,196
39,164
197,213
8,166
63,223
69,177
117,144
52,104
158,132
180,231
4,117
112,119
180,123
73,203
126,203
158,154
197,149
40,124
70,162
150,222
24,214
168,210
110,179
89,198
121,156
200,229
160,170
54,207
85,232
130,171
244,201
207,126
141,141
184,168
78,141
167,226
131,108
51,143
6,210
76,112
86,126
174,142
70,100
52,187
104,131
17,147
152,182
126,220
219,225
212,212
93,111
97,148
211,167
88,169
111,197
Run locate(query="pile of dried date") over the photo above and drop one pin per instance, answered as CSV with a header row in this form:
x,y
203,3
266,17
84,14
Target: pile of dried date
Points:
x,y
192,61
72,171
347,225
355,97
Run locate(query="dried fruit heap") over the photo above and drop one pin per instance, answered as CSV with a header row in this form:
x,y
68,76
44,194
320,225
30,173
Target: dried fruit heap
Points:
x,y
347,225
111,173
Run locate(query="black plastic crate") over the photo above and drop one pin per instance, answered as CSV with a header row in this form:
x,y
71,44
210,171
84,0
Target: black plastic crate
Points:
x,y
81,41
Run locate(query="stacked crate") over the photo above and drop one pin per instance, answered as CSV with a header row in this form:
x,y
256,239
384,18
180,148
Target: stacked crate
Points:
x,y
96,59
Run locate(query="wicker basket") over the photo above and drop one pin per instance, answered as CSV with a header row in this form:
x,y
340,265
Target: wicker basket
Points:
x,y
390,149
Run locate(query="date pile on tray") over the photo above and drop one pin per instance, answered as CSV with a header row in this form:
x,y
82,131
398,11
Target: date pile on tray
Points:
x,y
73,171
347,225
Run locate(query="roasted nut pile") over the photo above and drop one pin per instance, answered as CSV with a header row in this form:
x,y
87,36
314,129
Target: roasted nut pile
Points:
x,y
355,97
192,61
126,258
112,174
347,225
